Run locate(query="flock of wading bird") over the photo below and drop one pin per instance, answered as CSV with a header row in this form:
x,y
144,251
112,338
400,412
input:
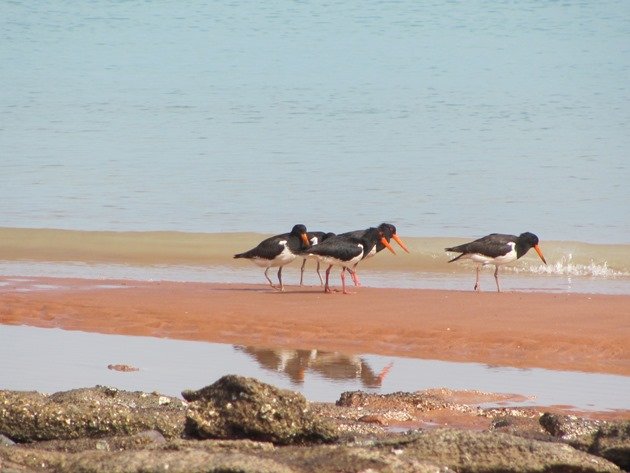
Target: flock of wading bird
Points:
x,y
348,249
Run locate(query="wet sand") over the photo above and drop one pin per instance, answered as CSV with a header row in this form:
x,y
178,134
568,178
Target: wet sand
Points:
x,y
577,332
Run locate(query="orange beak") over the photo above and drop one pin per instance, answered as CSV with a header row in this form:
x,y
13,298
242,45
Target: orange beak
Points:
x,y
387,245
305,240
537,248
400,242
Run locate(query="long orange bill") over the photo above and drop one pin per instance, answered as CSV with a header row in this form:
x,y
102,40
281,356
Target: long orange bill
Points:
x,y
400,242
305,240
537,248
387,245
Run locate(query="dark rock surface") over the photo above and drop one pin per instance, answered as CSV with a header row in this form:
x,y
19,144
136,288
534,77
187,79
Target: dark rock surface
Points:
x,y
255,427
95,412
239,407
610,440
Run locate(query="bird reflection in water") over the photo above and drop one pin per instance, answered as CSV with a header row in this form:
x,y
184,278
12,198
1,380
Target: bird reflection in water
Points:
x,y
331,365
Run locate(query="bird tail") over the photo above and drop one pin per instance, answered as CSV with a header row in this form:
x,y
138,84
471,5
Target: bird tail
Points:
x,y
457,257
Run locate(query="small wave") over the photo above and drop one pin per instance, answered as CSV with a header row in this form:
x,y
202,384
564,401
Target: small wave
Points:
x,y
565,267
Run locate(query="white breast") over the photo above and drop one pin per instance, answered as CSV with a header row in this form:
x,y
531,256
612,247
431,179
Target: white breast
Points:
x,y
285,257
507,258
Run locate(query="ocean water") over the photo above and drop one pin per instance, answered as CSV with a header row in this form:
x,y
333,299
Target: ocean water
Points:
x,y
449,119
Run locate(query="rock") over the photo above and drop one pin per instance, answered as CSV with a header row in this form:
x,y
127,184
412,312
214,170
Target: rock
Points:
x,y
570,428
523,422
93,412
141,461
610,440
107,430
398,400
109,444
471,451
367,458
240,407
436,451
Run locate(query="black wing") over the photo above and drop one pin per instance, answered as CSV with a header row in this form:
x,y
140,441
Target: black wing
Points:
x,y
354,233
492,245
339,247
266,249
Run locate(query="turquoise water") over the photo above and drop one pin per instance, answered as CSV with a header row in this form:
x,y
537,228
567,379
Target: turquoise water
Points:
x,y
445,118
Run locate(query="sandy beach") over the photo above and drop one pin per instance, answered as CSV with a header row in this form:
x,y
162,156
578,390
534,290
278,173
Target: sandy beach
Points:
x,y
578,332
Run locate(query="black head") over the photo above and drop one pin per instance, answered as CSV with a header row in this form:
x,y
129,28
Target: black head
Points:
x,y
388,230
298,230
379,237
528,238
525,242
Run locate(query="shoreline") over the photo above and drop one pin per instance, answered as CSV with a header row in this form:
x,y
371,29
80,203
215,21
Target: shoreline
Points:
x,y
427,254
572,332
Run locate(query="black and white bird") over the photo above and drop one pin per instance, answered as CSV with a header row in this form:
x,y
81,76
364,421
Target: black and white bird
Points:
x,y
314,238
497,249
278,250
389,232
345,251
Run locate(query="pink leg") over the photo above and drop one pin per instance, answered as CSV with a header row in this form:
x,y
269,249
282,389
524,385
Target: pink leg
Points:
x,y
496,278
355,277
302,272
477,287
327,287
321,281
343,280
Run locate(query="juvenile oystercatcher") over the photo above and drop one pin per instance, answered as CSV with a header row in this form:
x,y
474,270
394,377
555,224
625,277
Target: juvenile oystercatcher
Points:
x,y
346,251
497,249
278,251
389,232
314,238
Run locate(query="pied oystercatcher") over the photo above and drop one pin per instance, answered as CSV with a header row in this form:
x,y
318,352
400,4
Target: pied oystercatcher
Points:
x,y
346,251
314,238
389,232
278,251
497,249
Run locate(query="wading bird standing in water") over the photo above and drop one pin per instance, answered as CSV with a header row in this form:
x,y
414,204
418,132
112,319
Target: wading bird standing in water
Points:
x,y
278,251
346,251
314,238
388,230
497,249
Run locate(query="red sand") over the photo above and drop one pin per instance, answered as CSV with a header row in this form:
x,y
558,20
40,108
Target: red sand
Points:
x,y
554,331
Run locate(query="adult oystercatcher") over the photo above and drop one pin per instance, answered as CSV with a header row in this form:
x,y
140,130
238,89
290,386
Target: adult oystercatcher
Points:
x,y
389,232
346,251
278,251
497,249
314,238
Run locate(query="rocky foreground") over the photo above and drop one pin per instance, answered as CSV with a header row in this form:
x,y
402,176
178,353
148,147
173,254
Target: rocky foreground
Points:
x,y
242,425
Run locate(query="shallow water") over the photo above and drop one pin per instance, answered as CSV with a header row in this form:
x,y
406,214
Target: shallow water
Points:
x,y
50,360
249,274
207,257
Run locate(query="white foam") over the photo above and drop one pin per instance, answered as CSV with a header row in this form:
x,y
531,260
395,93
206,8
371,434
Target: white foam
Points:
x,y
564,266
